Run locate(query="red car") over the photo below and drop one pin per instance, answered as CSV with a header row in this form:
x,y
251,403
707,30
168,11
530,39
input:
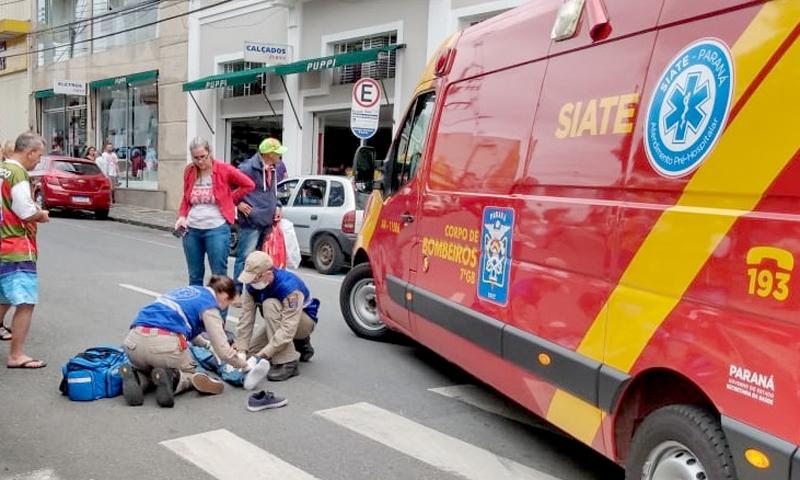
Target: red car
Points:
x,y
71,184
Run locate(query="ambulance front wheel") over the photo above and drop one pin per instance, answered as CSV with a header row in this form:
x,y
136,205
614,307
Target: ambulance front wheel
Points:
x,y
359,305
680,442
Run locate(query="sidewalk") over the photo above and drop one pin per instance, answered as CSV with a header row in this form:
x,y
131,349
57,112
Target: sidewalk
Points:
x,y
143,216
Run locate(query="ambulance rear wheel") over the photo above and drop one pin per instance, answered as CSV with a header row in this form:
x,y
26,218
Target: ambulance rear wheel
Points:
x,y
359,304
680,442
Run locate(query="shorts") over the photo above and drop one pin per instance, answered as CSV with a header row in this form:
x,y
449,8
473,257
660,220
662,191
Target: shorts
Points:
x,y
19,284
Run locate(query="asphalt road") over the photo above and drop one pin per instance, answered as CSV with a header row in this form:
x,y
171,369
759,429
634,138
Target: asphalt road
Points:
x,y
359,410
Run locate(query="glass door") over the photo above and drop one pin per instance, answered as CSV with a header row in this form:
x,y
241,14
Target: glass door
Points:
x,y
143,141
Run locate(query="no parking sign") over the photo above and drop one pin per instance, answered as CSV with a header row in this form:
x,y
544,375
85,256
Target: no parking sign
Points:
x,y
366,107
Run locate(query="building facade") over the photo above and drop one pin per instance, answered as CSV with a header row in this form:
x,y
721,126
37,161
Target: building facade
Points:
x,y
130,57
14,81
160,72
306,101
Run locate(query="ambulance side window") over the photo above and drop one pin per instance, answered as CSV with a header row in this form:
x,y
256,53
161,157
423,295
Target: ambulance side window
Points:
x,y
411,142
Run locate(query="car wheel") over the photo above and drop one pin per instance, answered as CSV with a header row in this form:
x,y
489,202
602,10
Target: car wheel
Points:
x,y
359,304
680,442
327,255
101,214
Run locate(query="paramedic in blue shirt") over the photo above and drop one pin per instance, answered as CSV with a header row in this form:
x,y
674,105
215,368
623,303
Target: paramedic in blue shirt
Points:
x,y
258,207
157,344
290,316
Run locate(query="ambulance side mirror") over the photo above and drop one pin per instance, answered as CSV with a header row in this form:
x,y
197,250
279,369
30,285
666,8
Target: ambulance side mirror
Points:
x,y
367,170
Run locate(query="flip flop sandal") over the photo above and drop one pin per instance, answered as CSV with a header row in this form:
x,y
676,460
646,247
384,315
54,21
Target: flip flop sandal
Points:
x,y
27,364
5,333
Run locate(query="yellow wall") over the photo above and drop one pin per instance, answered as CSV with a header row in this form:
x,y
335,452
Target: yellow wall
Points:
x,y
15,64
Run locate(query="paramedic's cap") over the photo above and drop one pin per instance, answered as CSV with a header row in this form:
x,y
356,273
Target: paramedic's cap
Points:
x,y
271,145
256,263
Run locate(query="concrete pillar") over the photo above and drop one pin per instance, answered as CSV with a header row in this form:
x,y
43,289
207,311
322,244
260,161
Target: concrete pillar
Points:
x,y
292,133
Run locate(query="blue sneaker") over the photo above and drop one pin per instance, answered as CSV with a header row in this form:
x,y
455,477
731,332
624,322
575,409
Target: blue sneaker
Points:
x,y
264,400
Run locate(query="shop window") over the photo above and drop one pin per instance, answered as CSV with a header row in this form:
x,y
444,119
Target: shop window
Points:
x,y
247,133
254,88
122,14
71,25
2,59
383,67
128,119
64,124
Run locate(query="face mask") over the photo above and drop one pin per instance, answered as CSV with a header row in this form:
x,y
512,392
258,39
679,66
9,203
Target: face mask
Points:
x,y
259,285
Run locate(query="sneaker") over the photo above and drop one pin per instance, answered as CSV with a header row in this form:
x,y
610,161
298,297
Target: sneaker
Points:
x,y
304,348
131,388
284,371
164,380
204,383
256,374
264,400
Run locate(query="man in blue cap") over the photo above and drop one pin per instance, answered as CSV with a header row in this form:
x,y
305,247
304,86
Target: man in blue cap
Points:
x,y
257,208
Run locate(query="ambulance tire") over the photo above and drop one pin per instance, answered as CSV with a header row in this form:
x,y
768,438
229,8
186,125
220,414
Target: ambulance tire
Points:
x,y
680,441
327,255
358,303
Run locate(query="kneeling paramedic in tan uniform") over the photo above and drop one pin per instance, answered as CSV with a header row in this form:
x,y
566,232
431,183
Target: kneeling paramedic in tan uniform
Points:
x,y
289,311
157,344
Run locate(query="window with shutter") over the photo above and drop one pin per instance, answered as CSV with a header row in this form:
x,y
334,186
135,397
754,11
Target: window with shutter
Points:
x,y
254,88
383,67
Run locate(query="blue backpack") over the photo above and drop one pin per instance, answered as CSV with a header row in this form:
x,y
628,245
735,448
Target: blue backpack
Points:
x,y
93,374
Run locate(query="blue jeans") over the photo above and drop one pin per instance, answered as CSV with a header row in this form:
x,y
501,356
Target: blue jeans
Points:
x,y
215,242
250,239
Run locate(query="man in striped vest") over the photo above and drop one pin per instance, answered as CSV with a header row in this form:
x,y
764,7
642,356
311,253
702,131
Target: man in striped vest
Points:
x,y
18,218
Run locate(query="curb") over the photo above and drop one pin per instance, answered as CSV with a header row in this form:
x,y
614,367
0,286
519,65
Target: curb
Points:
x,y
140,223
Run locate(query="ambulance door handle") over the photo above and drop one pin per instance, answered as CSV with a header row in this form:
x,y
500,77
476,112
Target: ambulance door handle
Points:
x,y
407,218
314,217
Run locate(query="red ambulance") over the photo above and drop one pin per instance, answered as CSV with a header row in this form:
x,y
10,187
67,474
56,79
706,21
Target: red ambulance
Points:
x,y
594,207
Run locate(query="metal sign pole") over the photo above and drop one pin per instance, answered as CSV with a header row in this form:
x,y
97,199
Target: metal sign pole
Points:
x,y
289,97
208,124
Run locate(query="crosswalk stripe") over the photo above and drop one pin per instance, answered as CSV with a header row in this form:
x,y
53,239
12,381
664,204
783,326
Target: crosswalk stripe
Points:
x,y
489,402
140,290
226,456
428,445
45,474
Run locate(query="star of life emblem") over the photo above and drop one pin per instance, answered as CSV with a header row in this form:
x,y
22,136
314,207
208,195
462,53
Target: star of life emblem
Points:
x,y
689,108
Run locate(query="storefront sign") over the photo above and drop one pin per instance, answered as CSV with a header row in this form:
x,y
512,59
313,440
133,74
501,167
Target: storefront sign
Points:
x,y
69,87
366,108
267,53
123,81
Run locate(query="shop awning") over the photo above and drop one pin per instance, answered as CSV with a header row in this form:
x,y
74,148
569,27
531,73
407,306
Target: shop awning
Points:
x,y
302,66
123,81
43,94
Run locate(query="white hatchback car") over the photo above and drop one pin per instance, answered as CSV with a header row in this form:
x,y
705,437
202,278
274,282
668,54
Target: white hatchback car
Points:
x,y
327,214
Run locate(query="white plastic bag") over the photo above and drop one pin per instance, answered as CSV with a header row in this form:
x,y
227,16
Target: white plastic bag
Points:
x,y
292,246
